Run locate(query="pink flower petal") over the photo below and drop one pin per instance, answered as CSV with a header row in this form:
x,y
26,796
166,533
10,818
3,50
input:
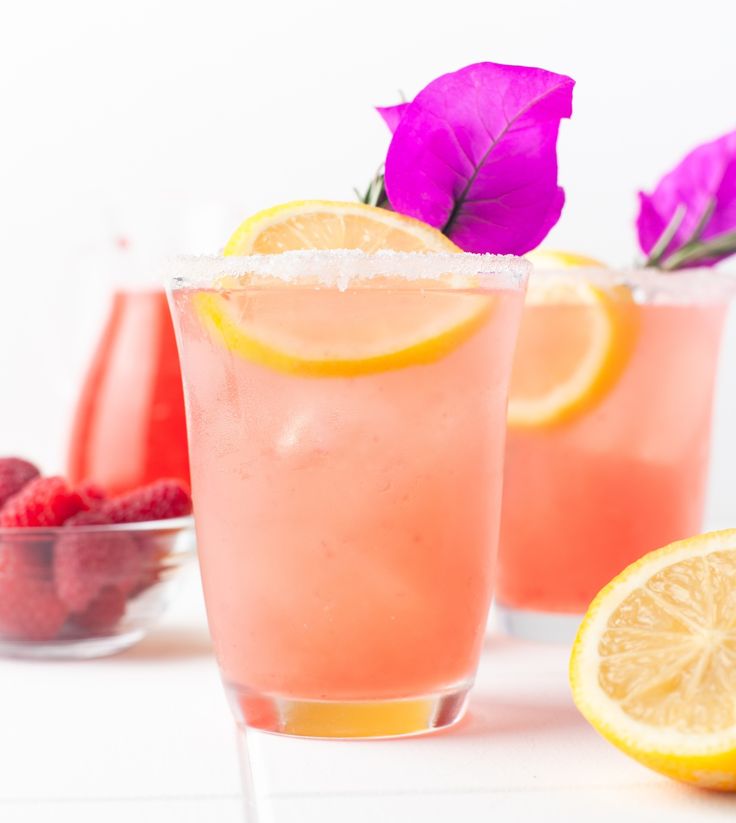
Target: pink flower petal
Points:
x,y
704,179
392,114
475,155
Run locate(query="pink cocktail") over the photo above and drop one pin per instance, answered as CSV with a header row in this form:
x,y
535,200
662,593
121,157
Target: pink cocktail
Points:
x,y
346,420
623,473
129,427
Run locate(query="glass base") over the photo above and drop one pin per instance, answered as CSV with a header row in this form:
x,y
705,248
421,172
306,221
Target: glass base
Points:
x,y
347,719
70,649
543,627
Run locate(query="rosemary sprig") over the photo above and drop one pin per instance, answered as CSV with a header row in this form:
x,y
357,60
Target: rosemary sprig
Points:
x,y
375,194
670,230
694,249
722,245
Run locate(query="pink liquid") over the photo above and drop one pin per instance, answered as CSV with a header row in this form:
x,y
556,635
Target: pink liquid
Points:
x,y
584,499
130,427
348,525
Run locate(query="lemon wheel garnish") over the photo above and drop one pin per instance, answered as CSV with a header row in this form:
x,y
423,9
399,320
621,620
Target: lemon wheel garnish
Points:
x,y
291,337
556,259
328,333
327,224
575,340
653,667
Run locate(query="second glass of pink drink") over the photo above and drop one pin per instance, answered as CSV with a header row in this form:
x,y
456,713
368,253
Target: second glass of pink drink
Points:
x,y
346,420
612,464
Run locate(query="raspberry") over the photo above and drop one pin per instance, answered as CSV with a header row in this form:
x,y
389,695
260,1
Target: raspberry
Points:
x,y
159,501
45,501
14,474
89,517
29,607
92,494
153,563
103,612
20,559
86,563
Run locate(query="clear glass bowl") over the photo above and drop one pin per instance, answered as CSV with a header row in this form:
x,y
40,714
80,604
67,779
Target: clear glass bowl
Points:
x,y
88,591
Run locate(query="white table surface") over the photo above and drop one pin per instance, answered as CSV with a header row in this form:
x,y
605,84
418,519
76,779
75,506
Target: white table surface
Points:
x,y
147,736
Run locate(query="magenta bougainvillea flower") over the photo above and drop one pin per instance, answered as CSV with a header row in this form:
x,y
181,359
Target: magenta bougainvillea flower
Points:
x,y
392,114
690,217
475,155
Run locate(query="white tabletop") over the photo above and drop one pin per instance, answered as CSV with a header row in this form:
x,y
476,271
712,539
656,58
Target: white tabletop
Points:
x,y
147,736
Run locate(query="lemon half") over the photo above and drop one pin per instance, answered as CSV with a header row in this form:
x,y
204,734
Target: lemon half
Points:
x,y
653,667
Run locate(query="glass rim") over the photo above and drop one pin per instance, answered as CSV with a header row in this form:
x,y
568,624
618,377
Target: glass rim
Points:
x,y
695,285
341,267
171,524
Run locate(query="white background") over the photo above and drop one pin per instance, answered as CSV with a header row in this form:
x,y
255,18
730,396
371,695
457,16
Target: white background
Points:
x,y
167,120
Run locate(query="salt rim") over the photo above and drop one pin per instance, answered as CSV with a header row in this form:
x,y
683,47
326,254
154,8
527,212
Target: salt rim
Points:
x,y
701,285
339,267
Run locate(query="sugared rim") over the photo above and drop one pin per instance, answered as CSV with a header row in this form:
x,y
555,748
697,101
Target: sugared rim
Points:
x,y
701,285
172,524
341,267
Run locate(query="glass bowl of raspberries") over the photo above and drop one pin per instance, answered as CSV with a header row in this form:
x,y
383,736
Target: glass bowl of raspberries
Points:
x,y
83,574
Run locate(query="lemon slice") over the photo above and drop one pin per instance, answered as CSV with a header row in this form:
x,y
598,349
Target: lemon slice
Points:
x,y
556,259
575,339
327,333
327,224
384,718
653,667
331,334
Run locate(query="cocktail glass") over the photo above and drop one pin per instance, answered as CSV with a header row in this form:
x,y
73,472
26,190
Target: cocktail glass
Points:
x,y
346,417
625,471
